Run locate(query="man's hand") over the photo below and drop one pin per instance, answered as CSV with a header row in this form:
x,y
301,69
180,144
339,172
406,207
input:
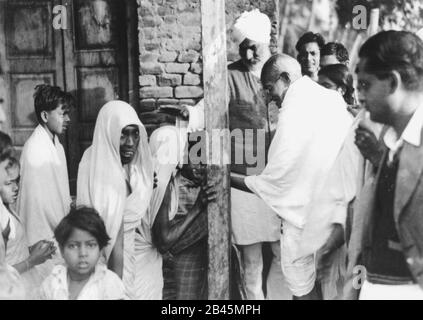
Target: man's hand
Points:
x,y
323,261
208,193
368,144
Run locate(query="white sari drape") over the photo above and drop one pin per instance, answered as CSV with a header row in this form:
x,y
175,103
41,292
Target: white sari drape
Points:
x,y
167,144
102,185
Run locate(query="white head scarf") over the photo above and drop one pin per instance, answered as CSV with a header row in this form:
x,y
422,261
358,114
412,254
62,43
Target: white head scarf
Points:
x,y
253,25
101,177
167,145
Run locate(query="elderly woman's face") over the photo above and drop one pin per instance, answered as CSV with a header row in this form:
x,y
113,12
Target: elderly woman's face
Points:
x,y
129,141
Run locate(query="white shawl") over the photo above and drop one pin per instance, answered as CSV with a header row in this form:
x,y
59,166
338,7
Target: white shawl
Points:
x,y
101,178
312,126
44,197
167,145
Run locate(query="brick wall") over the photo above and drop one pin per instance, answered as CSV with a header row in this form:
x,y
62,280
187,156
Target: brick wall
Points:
x,y
170,55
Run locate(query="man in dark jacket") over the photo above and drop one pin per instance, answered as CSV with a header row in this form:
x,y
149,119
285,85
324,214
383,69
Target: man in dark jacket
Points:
x,y
385,250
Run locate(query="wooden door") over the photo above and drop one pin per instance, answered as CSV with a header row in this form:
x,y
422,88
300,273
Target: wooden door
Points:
x,y
30,54
95,58
96,67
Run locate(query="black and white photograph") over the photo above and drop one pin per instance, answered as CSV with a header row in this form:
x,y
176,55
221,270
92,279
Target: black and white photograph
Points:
x,y
211,150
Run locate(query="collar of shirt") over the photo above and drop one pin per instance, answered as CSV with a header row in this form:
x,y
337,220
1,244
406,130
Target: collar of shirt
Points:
x,y
411,134
60,274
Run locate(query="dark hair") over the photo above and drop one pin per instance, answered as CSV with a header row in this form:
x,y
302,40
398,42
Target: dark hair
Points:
x,y
401,51
13,163
5,146
340,75
83,218
310,37
337,49
48,98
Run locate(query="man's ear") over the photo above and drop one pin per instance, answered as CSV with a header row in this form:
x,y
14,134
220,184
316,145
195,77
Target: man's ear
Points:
x,y
395,80
286,77
44,116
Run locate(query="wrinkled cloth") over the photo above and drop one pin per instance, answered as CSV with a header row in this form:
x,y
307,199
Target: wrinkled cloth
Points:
x,y
103,284
311,130
11,284
253,25
17,251
252,220
44,198
102,182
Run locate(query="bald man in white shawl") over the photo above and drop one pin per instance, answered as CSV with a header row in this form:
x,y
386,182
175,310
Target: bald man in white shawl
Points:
x,y
116,178
312,126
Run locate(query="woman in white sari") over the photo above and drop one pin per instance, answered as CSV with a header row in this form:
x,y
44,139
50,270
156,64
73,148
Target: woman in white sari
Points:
x,y
116,178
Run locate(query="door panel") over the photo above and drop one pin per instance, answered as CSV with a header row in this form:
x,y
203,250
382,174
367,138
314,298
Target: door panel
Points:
x,y
89,59
32,56
96,67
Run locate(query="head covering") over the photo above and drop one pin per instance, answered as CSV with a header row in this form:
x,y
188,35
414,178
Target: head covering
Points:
x,y
420,33
101,177
167,145
253,25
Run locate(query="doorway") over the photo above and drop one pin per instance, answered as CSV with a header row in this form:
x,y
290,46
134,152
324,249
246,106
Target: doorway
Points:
x,y
95,58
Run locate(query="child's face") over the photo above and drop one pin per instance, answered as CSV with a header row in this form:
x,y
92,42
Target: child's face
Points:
x,y
81,253
58,119
9,190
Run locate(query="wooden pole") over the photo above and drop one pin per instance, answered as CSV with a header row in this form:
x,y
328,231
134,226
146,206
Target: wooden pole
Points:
x,y
216,120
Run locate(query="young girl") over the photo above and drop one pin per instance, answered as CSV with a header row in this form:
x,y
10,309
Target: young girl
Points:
x,y
17,253
81,236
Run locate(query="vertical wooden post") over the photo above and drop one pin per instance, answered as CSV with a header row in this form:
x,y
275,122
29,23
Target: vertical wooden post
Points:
x,y
217,118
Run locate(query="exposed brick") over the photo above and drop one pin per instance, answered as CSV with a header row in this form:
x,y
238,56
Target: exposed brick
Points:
x,y
147,80
193,45
156,92
162,102
169,80
190,102
170,19
165,11
177,67
148,104
146,9
191,79
188,57
151,21
148,34
151,68
151,46
188,92
189,19
196,68
168,56
149,57
156,117
174,44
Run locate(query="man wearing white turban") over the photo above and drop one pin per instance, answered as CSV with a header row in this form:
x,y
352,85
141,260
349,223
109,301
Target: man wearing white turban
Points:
x,y
253,222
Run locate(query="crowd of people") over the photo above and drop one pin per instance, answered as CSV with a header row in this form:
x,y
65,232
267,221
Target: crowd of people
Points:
x,y
337,201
